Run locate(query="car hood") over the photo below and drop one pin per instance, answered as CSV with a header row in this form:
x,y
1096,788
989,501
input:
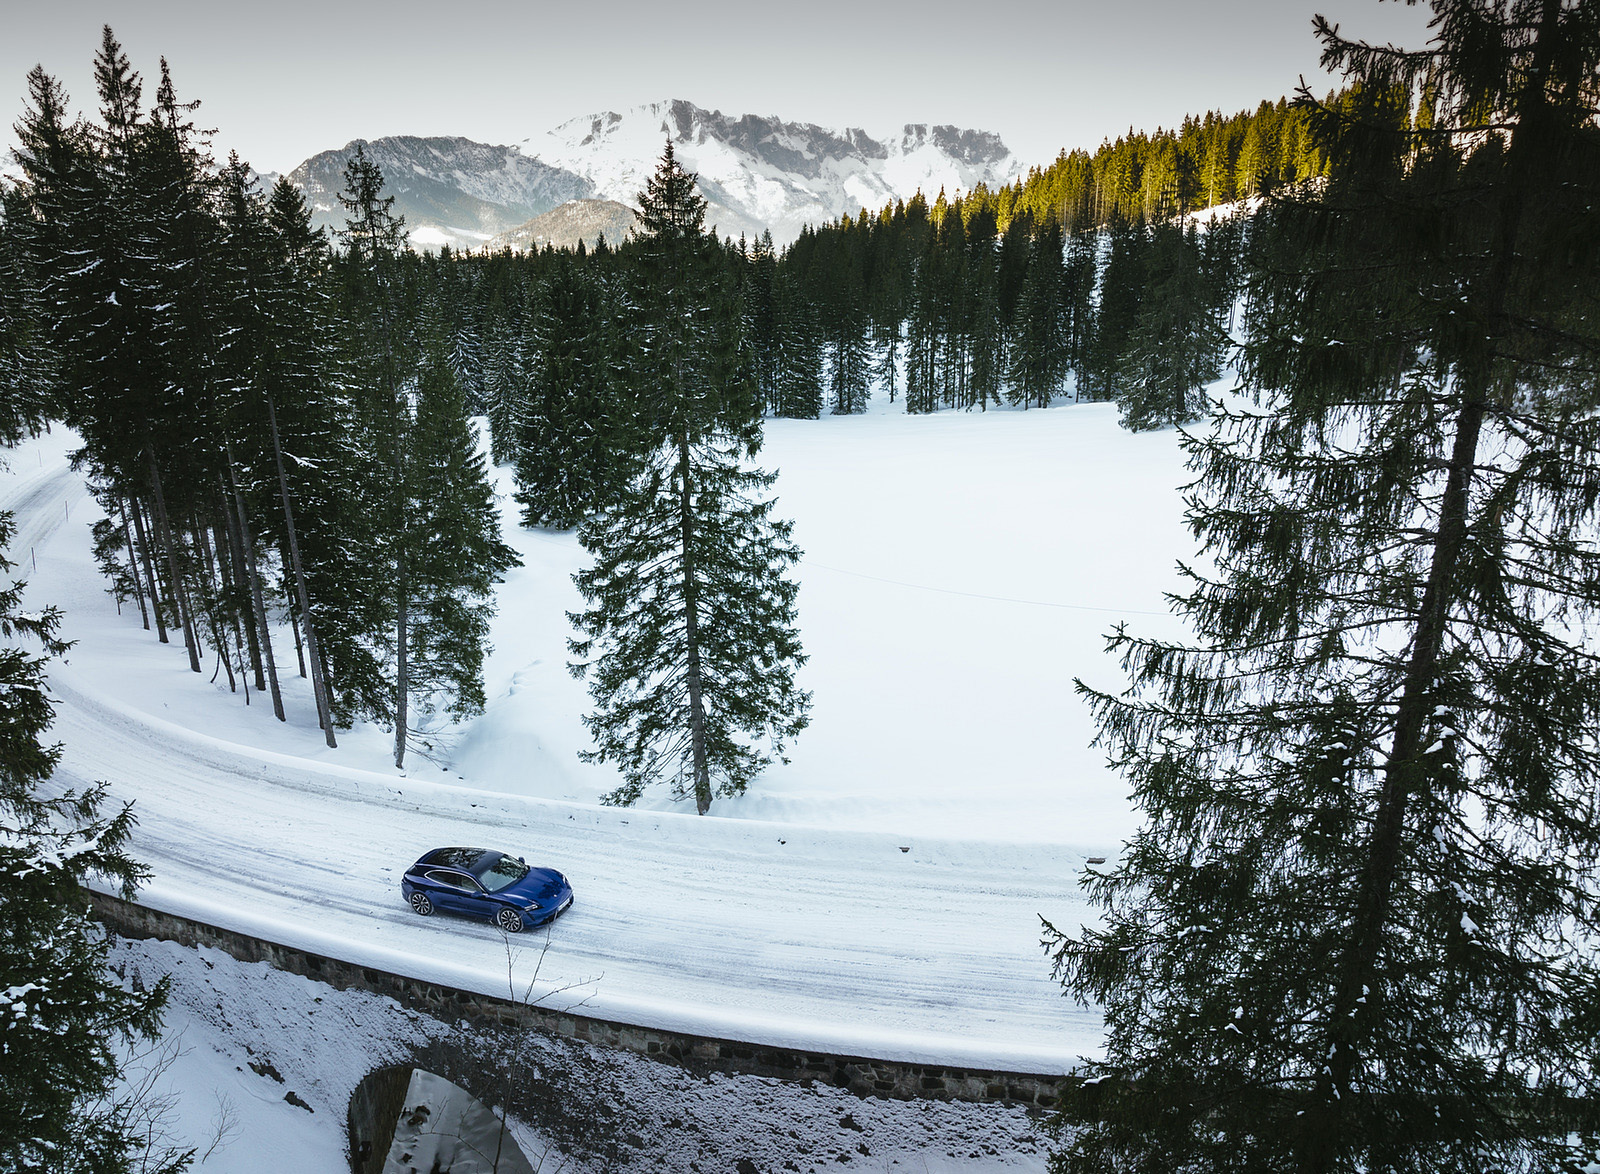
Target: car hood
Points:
x,y
541,884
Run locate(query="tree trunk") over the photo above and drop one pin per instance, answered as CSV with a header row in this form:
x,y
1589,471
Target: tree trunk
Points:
x,y
149,569
215,581
133,563
1475,379
258,604
225,532
319,680
294,624
231,566
691,631
164,533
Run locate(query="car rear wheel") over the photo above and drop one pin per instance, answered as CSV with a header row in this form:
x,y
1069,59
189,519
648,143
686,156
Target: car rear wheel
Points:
x,y
421,903
509,920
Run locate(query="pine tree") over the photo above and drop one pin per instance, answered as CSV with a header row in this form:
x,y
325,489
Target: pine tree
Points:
x,y
384,364
761,318
849,364
925,336
575,435
1039,356
690,645
122,231
174,194
986,326
508,372
799,346
311,460
27,387
469,364
237,309
1077,300
456,555
951,296
1356,931
1122,293
66,1018
1257,154
845,315
1177,345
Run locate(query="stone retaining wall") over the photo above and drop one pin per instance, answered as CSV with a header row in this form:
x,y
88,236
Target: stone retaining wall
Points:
x,y
861,1075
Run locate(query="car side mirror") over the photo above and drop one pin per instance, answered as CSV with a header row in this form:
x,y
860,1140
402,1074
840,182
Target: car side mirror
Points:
x,y
520,860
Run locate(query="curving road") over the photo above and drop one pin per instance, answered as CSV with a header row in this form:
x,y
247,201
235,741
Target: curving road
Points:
x,y
822,940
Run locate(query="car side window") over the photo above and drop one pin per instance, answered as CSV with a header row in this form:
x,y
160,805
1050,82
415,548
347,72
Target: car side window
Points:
x,y
455,880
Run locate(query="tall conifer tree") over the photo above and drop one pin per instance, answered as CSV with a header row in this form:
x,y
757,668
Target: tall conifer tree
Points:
x,y
1122,293
27,389
799,352
67,1018
456,555
690,643
1356,931
383,359
1177,344
1039,355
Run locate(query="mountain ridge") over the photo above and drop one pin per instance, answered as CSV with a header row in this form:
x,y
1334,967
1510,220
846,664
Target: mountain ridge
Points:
x,y
564,226
756,172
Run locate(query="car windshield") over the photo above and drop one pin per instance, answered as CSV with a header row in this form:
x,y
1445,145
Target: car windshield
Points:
x,y
497,870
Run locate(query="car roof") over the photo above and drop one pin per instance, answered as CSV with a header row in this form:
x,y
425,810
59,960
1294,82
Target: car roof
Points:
x,y
476,861
466,859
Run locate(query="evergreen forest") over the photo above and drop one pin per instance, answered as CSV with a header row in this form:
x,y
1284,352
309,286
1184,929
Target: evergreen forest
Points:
x,y
1356,931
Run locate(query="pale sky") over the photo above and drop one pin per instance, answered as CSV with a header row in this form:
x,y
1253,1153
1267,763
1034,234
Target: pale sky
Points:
x,y
284,79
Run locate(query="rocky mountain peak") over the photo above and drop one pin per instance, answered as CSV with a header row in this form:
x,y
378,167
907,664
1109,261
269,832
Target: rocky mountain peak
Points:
x,y
756,171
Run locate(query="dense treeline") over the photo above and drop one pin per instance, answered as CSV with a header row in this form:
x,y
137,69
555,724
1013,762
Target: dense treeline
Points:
x,y
271,424
1015,296
1208,161
1012,295
922,301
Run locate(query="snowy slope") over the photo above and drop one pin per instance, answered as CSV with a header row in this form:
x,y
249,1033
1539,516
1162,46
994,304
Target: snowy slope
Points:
x,y
879,895
241,1039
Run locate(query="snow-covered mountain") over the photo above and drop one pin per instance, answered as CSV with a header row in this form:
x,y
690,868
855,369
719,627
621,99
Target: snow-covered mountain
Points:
x,y
450,190
564,227
761,172
756,172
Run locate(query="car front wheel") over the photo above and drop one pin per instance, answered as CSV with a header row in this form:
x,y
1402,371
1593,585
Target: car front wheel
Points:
x,y
421,903
509,920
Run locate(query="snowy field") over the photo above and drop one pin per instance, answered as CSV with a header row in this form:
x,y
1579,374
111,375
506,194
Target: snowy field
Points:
x,y
959,570
880,895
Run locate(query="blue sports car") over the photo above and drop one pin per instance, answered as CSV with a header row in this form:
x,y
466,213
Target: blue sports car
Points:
x,y
477,882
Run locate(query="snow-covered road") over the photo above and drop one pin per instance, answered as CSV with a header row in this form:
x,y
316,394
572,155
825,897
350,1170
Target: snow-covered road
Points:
x,y
848,941
832,941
